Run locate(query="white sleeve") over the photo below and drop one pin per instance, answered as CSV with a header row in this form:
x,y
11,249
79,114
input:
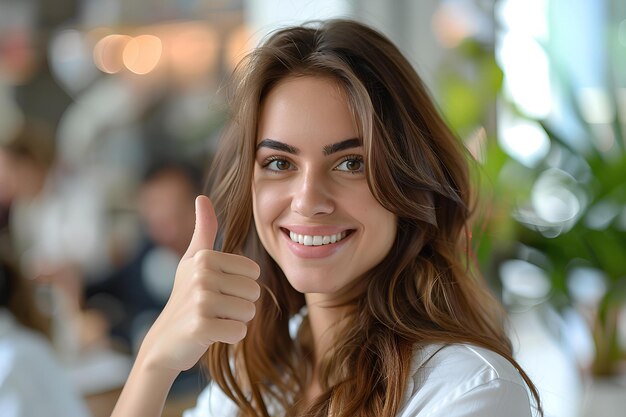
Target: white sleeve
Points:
x,y
212,402
465,381
496,398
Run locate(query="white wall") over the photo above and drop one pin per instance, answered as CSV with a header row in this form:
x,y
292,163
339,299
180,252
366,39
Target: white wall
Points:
x,y
406,22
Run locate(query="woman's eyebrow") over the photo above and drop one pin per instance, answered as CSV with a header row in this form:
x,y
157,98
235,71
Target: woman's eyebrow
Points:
x,y
328,149
343,145
276,145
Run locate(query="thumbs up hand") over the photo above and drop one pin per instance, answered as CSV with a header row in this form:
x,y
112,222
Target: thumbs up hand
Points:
x,y
212,300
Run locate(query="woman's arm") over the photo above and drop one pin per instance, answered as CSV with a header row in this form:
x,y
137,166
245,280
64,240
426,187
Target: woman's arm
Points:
x,y
145,391
212,300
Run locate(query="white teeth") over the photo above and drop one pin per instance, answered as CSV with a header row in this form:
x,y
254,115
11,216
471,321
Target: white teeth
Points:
x,y
317,240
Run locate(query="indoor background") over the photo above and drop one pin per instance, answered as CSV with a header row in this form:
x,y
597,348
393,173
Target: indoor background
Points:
x,y
119,105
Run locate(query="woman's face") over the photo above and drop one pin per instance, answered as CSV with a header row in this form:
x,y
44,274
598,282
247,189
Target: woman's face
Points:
x,y
313,209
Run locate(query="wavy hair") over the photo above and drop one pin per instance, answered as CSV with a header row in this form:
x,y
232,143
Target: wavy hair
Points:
x,y
423,292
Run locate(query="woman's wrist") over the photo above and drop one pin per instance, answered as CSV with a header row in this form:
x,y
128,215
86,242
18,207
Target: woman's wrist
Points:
x,y
149,364
146,389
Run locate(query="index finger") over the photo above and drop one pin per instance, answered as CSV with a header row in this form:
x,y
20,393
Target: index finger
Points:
x,y
228,263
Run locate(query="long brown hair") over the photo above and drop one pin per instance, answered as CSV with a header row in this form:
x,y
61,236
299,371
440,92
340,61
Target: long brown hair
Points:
x,y
423,292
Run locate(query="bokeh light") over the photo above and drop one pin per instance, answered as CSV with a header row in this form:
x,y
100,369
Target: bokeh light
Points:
x,y
522,279
525,141
556,197
453,22
193,50
239,42
595,105
586,285
107,54
527,74
142,54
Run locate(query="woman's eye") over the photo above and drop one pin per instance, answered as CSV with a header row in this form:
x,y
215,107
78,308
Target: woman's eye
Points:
x,y
278,165
352,164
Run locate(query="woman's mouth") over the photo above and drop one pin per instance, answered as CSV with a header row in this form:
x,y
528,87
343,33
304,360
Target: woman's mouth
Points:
x,y
316,240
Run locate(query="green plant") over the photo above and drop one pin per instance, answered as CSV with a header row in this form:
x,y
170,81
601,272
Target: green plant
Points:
x,y
593,175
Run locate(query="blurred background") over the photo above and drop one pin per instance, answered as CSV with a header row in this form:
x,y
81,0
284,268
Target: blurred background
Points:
x,y
110,111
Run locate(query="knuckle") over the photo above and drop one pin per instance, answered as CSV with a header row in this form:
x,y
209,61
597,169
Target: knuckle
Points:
x,y
204,258
205,303
197,284
204,279
200,298
196,325
197,277
199,258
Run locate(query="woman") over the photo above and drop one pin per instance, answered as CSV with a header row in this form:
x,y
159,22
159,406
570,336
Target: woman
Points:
x,y
341,189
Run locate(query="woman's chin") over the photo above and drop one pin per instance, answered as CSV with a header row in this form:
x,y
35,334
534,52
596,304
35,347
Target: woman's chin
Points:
x,y
314,284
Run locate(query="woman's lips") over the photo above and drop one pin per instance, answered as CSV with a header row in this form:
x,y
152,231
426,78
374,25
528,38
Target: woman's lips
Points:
x,y
316,240
315,244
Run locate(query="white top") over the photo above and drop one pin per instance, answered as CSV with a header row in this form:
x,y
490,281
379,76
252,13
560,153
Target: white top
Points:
x,y
32,382
457,381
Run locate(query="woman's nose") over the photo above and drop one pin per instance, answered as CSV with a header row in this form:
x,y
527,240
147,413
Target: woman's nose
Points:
x,y
311,196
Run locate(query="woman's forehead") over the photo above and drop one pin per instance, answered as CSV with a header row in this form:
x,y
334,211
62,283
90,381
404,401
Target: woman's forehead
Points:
x,y
307,109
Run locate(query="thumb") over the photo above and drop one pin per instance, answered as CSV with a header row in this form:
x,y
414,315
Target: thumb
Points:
x,y
206,227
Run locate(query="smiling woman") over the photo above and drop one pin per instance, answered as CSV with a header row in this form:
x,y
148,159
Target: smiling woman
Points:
x,y
303,185
342,284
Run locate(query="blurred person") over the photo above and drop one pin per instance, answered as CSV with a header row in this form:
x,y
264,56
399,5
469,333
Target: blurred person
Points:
x,y
7,185
132,296
164,206
26,158
55,225
32,381
44,213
